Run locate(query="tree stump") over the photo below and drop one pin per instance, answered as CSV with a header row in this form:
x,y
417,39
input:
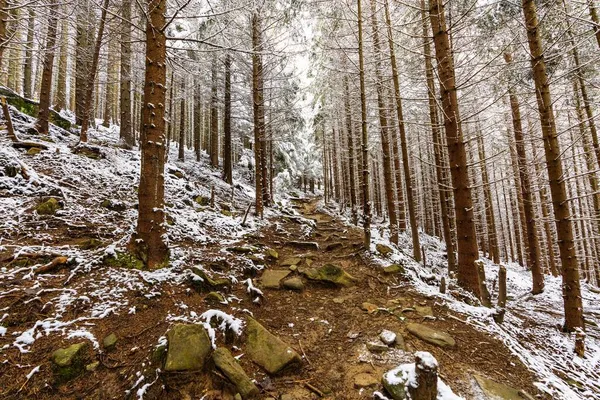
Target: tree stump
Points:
x,y
502,287
443,285
424,386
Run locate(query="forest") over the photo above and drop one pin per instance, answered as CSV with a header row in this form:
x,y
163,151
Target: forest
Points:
x,y
300,199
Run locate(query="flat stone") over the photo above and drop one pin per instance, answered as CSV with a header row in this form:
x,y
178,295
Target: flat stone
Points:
x,y
188,347
230,367
369,307
271,278
377,347
69,362
270,253
332,274
497,391
338,300
48,207
202,280
364,380
286,262
92,367
241,249
214,297
424,311
400,345
431,336
267,350
294,283
383,249
110,341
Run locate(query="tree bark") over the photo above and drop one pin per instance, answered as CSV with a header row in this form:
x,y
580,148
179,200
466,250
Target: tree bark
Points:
x,y
197,119
570,270
126,134
258,109
351,153
149,242
181,149
489,207
28,68
61,85
364,134
4,17
214,118
41,125
595,20
227,164
87,107
468,252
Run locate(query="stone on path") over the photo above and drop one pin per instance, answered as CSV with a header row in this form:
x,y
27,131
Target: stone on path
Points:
x,y
424,311
369,307
110,341
365,380
332,274
230,367
377,347
271,278
393,269
188,347
294,283
201,280
287,262
267,350
497,391
431,336
388,337
70,361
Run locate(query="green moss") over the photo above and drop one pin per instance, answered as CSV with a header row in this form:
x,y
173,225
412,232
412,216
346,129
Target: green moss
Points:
x,y
90,244
124,260
332,274
31,108
201,280
202,200
394,269
69,362
48,207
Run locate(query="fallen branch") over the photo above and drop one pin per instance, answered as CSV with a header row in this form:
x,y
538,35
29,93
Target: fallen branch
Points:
x,y
52,265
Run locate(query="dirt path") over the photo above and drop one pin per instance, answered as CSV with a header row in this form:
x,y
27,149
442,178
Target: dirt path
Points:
x,y
329,327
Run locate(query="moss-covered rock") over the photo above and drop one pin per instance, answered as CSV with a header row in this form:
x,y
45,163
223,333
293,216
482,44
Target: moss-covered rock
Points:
x,y
123,259
93,152
229,366
110,341
48,207
271,254
69,362
34,151
431,336
114,205
188,348
332,274
202,200
214,297
242,249
383,249
201,281
290,261
31,108
90,244
393,269
495,390
268,351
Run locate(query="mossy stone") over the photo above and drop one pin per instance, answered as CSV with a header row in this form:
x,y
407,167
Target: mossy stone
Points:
x,y
48,207
268,351
201,280
227,213
92,366
69,362
188,348
230,367
214,297
34,151
90,244
393,269
332,274
202,200
124,260
110,341
383,249
271,253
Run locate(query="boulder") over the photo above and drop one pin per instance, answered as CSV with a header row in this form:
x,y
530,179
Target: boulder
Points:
x,y
242,249
214,297
424,311
34,151
230,367
494,390
270,253
294,283
114,205
287,262
268,351
431,336
188,347
68,363
393,269
271,278
48,207
201,280
383,249
377,347
332,274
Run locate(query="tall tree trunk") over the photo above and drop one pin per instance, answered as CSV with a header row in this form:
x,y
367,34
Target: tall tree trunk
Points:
x,y
111,79
489,207
468,253
148,243
595,20
570,270
28,68
351,152
438,145
227,164
41,124
388,177
364,134
414,229
92,78
127,136
83,56
533,253
61,85
214,118
197,119
181,152
258,108
4,17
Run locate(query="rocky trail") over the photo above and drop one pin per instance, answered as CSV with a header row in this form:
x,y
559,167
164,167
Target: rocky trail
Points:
x,y
307,312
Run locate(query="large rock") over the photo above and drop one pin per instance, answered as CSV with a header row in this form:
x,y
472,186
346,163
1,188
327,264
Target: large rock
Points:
x,y
201,280
383,249
268,351
271,278
31,108
332,274
287,262
225,362
48,207
294,283
497,391
188,348
69,362
430,335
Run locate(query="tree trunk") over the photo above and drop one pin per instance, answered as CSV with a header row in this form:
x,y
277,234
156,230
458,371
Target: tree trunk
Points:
x,y
595,20
4,16
148,243
468,252
533,253
126,134
61,85
570,270
181,152
364,135
258,109
489,207
351,153
92,78
214,118
28,68
227,164
197,119
41,125
414,229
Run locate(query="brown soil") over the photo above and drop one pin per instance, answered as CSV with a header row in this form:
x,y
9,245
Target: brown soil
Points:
x,y
330,335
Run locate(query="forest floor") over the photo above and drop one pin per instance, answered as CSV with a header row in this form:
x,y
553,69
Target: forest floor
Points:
x,y
334,329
